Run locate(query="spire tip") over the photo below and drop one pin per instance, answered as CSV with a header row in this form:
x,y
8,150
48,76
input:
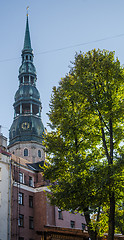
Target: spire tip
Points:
x,y
27,10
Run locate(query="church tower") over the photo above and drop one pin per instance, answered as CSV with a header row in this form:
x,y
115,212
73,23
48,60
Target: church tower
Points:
x,y
27,130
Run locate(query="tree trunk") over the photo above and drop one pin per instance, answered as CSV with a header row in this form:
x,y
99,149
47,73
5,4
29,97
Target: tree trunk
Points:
x,y
92,233
111,217
111,192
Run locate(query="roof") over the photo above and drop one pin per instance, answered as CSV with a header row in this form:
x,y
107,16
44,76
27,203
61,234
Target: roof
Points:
x,y
64,233
19,160
36,166
34,132
5,152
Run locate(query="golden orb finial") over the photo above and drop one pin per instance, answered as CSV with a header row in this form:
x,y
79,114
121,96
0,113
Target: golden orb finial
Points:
x,y
27,10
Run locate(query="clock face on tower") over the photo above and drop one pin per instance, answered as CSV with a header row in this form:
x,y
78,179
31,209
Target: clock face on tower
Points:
x,y
25,125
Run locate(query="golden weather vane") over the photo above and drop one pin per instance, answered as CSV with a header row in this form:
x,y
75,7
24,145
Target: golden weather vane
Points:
x,y
27,10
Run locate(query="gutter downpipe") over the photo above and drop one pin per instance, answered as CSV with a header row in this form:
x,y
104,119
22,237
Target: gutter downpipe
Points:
x,y
9,202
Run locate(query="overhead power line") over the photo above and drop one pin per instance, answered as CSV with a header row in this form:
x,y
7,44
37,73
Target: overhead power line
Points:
x,y
71,46
81,44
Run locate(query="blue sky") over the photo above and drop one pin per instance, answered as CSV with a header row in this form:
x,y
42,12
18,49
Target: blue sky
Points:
x,y
59,29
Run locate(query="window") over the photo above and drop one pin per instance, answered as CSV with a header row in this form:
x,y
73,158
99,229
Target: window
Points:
x,y
31,223
21,177
21,198
30,181
0,174
26,57
72,224
26,79
39,153
83,226
60,214
21,220
31,201
25,152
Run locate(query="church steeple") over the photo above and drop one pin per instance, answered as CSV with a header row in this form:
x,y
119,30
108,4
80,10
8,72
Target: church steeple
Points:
x,y
27,40
27,126
27,71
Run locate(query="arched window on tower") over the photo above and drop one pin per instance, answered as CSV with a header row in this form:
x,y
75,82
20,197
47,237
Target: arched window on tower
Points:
x,y
39,153
25,152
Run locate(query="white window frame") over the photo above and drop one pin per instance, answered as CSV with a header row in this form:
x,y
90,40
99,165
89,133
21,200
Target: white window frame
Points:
x,y
20,198
31,181
21,177
21,220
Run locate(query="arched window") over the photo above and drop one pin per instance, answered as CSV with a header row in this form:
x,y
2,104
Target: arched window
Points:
x,y
25,152
39,153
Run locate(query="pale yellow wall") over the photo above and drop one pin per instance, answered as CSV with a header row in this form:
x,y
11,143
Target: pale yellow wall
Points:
x,y
4,187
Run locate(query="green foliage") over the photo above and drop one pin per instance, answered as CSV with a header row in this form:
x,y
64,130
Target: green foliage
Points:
x,y
102,224
84,147
119,217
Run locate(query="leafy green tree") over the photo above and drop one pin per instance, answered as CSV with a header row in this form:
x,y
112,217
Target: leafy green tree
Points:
x,y
83,148
119,218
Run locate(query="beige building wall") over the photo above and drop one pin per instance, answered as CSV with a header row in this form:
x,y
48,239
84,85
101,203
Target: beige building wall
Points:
x,y
4,196
33,148
3,142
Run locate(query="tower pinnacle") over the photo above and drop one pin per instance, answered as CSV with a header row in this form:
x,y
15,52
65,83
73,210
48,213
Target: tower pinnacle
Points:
x,y
27,41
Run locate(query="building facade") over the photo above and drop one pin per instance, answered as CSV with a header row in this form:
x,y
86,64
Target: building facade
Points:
x,y
31,212
5,190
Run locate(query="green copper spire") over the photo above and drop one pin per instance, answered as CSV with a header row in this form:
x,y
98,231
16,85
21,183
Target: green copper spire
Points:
x,y
27,124
27,41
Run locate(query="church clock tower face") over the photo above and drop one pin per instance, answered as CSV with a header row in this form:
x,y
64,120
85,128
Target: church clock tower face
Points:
x,y
25,125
